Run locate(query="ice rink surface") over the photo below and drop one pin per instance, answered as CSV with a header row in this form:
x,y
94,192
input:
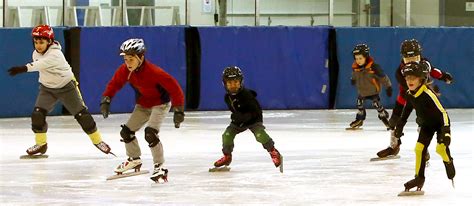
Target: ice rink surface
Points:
x,y
324,163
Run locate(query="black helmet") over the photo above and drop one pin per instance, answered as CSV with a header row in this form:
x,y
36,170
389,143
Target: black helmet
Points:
x,y
231,73
362,49
415,69
410,48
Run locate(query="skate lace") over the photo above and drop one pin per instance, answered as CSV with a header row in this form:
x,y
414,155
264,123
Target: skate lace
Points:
x,y
274,154
222,159
34,147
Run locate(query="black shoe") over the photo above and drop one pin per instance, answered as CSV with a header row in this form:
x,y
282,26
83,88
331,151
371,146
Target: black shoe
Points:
x,y
450,171
388,151
417,182
357,123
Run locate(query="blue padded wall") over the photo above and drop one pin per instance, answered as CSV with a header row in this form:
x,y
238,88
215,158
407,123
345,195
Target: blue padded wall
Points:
x,y
19,92
284,65
100,59
450,49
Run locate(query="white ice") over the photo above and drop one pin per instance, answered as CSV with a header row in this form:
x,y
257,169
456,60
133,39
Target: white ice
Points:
x,y
324,163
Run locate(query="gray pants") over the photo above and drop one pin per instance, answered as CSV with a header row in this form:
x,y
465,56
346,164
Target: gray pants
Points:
x,y
68,95
154,117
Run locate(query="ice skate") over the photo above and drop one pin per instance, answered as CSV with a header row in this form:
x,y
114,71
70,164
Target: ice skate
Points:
x,y
391,152
222,164
450,171
277,159
355,125
121,170
36,152
160,175
102,146
418,183
130,164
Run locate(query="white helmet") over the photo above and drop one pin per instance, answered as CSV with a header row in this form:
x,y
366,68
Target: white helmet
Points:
x,y
132,47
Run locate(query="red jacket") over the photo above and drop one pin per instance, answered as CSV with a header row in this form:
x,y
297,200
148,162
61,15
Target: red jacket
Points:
x,y
152,85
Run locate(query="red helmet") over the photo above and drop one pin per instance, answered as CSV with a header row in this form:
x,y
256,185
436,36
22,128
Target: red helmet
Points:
x,y
44,31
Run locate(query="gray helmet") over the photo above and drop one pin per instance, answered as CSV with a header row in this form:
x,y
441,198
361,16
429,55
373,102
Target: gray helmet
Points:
x,y
132,47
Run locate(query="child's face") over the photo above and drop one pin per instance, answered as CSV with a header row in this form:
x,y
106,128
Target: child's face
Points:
x,y
416,58
233,85
132,62
413,82
41,44
360,59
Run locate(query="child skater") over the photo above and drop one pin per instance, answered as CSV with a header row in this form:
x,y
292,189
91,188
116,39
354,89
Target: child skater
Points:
x,y
246,114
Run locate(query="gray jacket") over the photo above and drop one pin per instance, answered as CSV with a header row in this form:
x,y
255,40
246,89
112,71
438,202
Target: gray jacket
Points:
x,y
369,78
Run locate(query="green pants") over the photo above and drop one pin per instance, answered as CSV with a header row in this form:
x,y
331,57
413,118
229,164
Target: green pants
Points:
x,y
257,129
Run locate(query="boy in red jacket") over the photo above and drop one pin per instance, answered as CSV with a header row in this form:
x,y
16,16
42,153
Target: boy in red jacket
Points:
x,y
157,91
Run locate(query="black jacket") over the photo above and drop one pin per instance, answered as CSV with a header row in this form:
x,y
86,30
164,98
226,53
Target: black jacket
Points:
x,y
429,111
244,107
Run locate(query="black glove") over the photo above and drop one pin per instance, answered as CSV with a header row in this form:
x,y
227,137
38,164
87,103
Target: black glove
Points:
x,y
17,70
389,91
105,106
353,81
178,116
447,77
398,132
445,136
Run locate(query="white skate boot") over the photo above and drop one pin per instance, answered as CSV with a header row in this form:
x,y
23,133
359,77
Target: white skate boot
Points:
x,y
135,164
159,173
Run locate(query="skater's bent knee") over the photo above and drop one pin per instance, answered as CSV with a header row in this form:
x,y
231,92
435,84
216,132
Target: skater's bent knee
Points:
x,y
38,120
126,134
151,136
86,121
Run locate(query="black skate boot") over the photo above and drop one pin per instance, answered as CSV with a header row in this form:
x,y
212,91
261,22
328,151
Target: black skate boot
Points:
x,y
356,123
225,160
102,146
394,147
450,171
35,149
417,182
389,151
159,173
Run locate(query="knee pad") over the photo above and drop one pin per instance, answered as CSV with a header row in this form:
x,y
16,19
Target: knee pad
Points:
x,y
86,121
126,134
151,136
38,120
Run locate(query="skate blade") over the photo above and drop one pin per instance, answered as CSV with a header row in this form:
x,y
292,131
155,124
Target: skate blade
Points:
x,y
219,169
41,156
128,174
354,129
281,164
411,193
390,157
159,179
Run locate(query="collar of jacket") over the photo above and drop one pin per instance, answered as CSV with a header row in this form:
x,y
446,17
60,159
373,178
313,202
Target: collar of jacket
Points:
x,y
368,64
418,92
